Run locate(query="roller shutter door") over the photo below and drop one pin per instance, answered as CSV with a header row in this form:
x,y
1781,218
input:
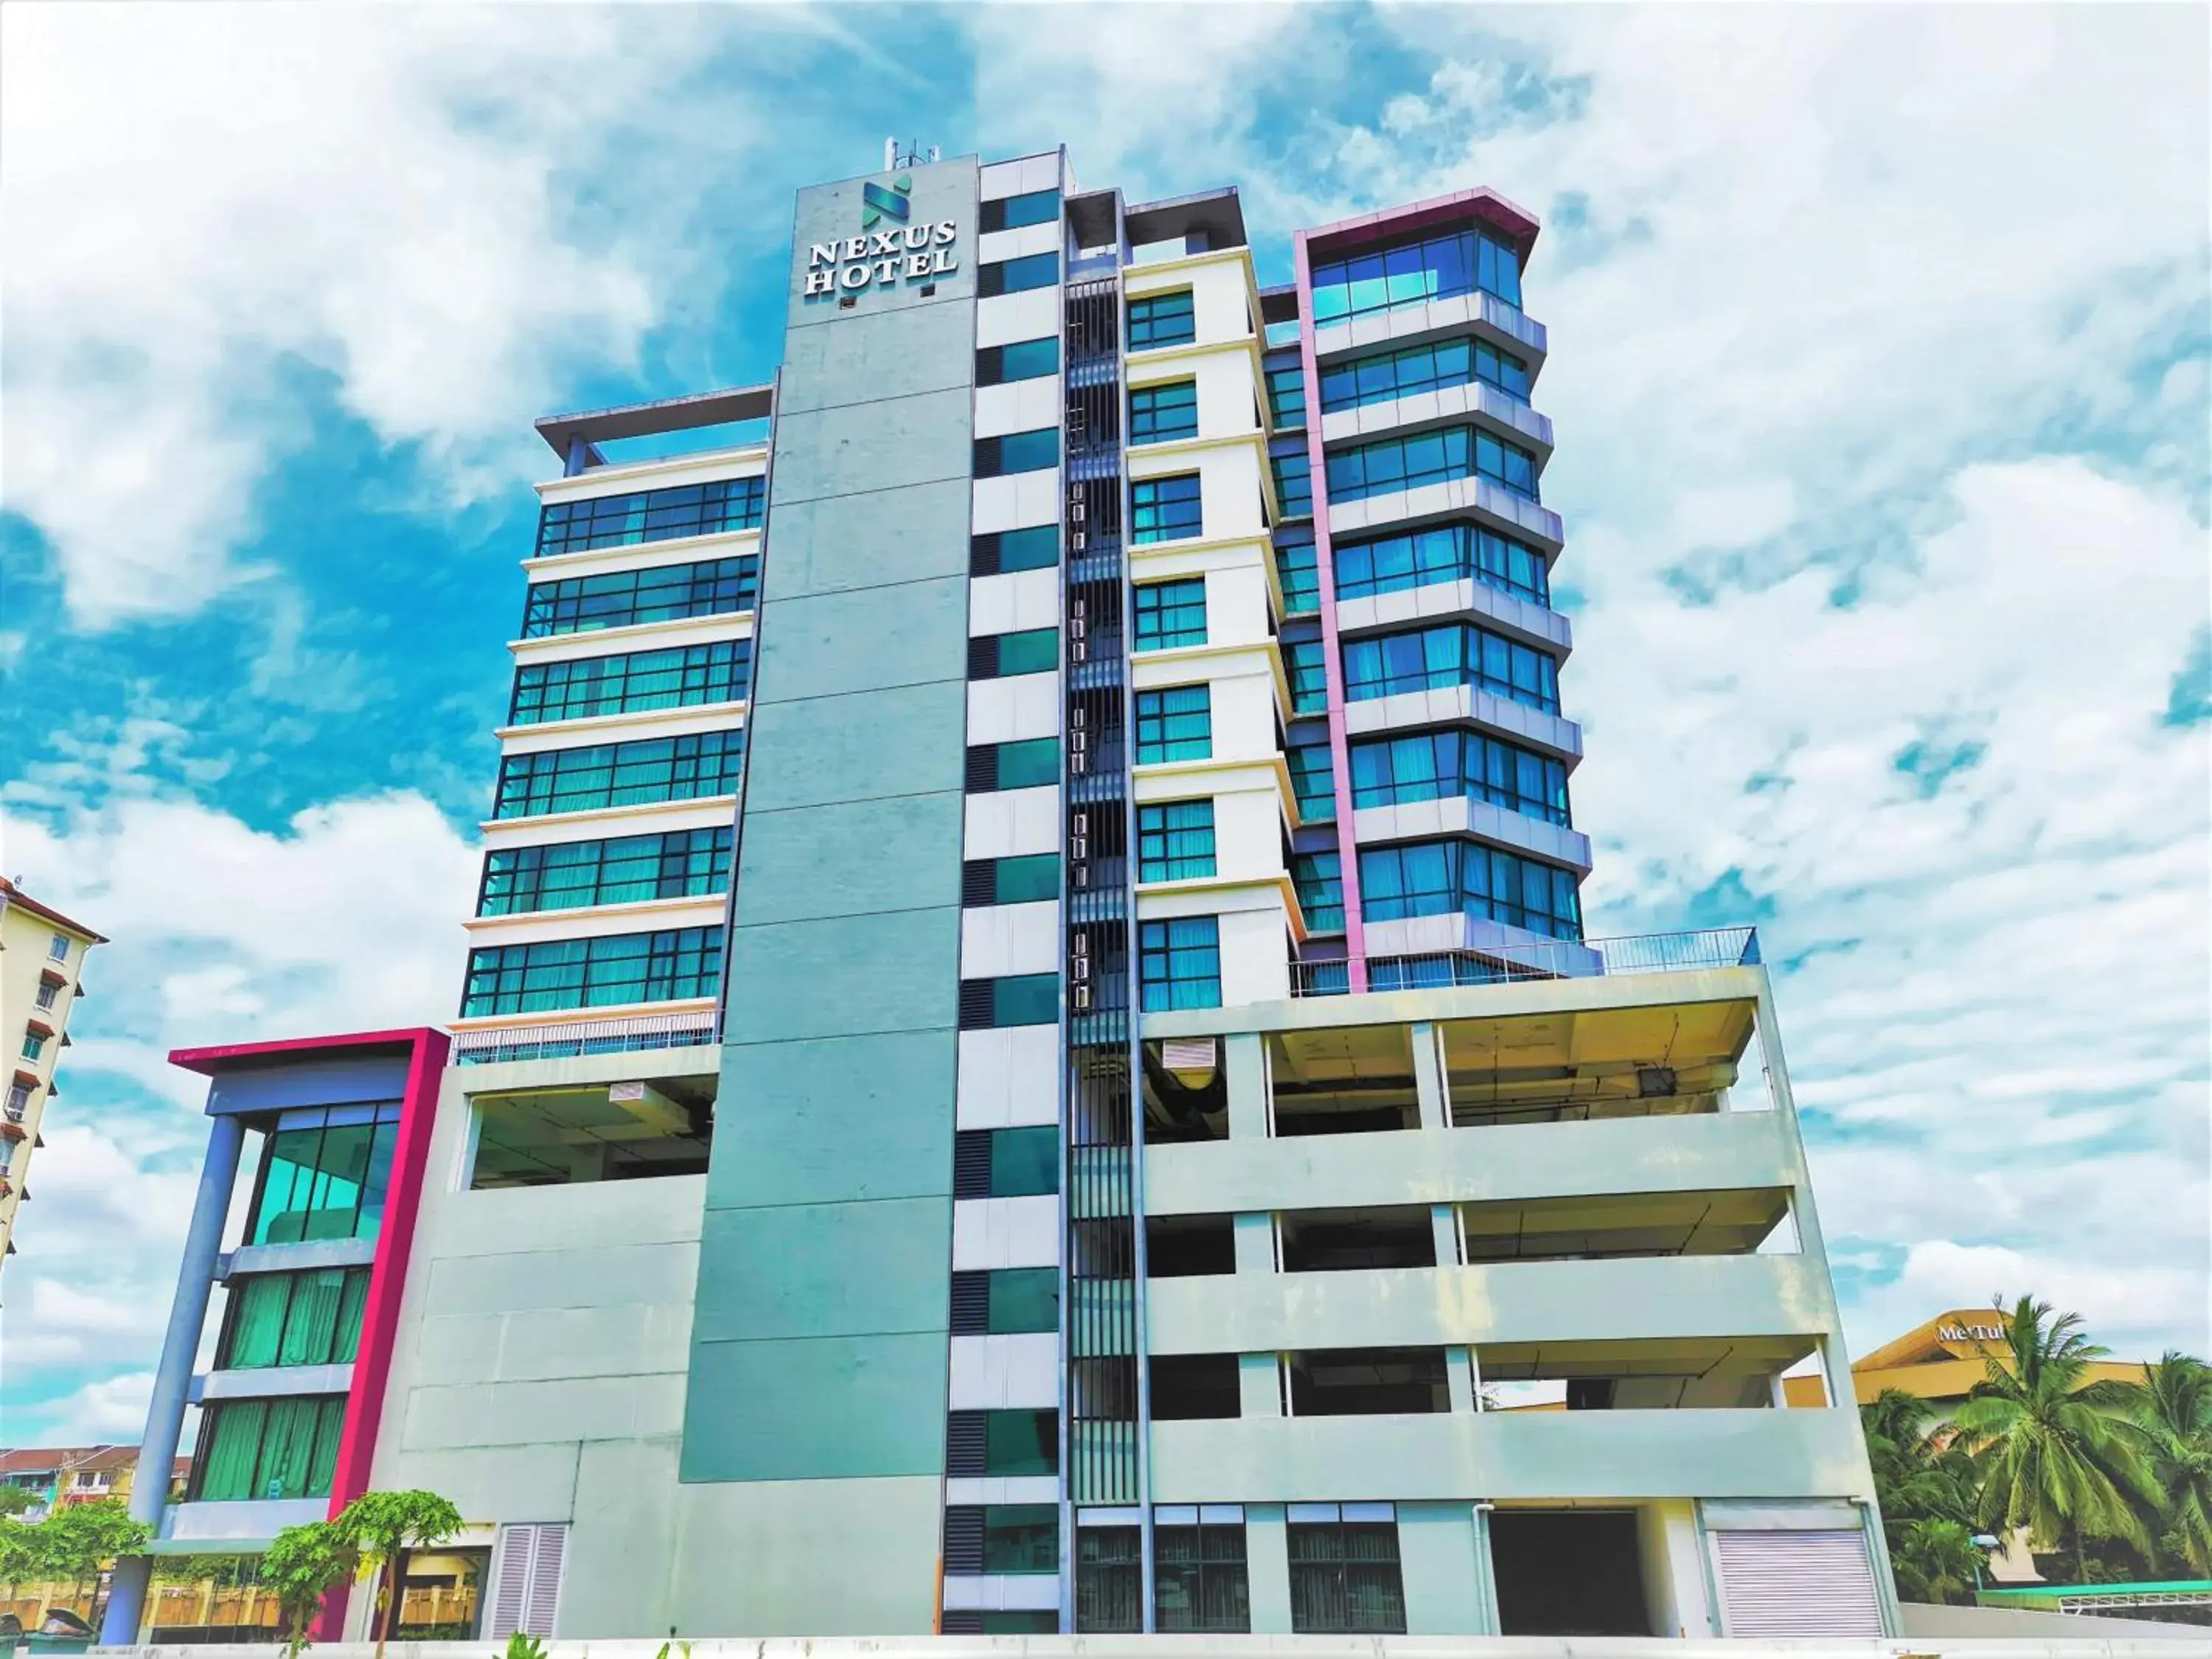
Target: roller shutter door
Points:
x,y
1797,1584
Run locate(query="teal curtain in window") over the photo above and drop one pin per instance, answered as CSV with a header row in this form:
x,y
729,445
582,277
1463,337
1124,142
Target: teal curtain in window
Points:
x,y
323,1465
233,1435
351,1307
258,1323
313,1322
288,1449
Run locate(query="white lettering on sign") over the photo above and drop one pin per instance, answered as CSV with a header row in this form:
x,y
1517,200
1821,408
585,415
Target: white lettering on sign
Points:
x,y
1976,1333
882,258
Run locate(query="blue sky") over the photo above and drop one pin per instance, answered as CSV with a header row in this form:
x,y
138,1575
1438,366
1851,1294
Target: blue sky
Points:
x,y
1879,373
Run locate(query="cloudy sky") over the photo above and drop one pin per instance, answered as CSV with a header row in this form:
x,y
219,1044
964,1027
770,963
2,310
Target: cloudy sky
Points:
x,y
1881,378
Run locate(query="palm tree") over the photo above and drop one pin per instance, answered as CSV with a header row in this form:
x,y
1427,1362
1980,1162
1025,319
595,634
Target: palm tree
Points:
x,y
1935,1561
2174,1406
1920,1474
2057,1456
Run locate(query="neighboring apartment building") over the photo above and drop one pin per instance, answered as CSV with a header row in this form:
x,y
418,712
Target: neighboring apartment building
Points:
x,y
42,955
1027,1058
75,1474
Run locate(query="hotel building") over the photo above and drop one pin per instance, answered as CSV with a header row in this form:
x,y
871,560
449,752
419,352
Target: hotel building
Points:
x,y
1028,1059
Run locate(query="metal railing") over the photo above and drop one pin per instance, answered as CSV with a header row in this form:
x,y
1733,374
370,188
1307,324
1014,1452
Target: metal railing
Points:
x,y
570,1039
1504,964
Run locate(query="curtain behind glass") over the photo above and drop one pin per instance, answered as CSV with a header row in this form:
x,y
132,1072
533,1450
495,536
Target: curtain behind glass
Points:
x,y
309,1330
288,1448
233,1433
330,1423
350,1308
257,1322
1109,1579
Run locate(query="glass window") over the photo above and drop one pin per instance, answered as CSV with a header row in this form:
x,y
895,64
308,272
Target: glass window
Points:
x,y
49,994
1180,963
1345,1578
1313,780
1319,877
621,598
1024,880
310,1318
1023,999
1021,1442
1021,1538
1023,1300
680,864
326,1182
652,515
620,967
620,775
268,1449
999,656
1297,571
1162,320
1442,553
1199,1580
1293,469
441,1595
1025,1162
681,676
57,948
1018,452
1432,658
1022,765
1017,276
1033,549
1167,509
1109,1585
34,1045
1429,367
1433,765
1286,397
1012,212
1431,878
1176,724
1024,360
1159,413
1306,662
1436,267
1428,457
1171,614
1174,841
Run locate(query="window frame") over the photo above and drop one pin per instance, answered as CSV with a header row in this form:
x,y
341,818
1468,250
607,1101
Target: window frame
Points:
x,y
636,517
1165,743
1158,412
564,605
1164,613
1176,505
1169,837
686,864
1164,320
630,682
1174,954
682,773
677,965
1331,1571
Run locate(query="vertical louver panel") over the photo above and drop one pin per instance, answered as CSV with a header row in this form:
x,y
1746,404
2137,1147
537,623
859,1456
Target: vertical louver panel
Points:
x,y
545,1598
963,1538
510,1580
978,882
982,657
982,770
964,1443
971,1164
971,1300
977,1004
1797,1584
960,1621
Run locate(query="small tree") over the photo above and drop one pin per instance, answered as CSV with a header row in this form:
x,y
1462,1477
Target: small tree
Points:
x,y
299,1568
383,1526
14,1500
77,1540
19,1552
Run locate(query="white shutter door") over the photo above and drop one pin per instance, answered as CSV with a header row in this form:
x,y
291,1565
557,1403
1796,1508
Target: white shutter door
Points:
x,y
544,1597
510,1575
1797,1584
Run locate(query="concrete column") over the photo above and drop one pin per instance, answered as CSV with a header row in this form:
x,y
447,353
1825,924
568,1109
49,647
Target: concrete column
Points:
x,y
1255,1239
1460,1375
1486,1574
1259,1385
1443,1221
164,1415
1245,1054
1429,1078
1267,1568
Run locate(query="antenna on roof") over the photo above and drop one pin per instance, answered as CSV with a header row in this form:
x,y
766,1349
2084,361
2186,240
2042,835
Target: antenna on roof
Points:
x,y
898,153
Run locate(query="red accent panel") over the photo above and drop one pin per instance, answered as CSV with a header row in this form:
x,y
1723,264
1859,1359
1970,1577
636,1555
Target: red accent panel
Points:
x,y
330,1624
387,1278
209,1062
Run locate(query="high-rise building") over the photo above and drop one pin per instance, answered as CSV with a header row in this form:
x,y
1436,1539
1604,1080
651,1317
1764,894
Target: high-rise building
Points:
x,y
1029,1058
42,956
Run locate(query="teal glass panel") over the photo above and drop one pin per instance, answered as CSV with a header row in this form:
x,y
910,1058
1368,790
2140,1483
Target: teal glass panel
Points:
x,y
1021,1442
1025,1162
1025,880
1023,1300
1021,1538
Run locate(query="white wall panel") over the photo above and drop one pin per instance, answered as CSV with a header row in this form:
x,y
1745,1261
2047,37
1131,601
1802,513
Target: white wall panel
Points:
x,y
1013,710
999,940
1009,1078
1005,1232
999,1373
1018,600
1008,824
1005,319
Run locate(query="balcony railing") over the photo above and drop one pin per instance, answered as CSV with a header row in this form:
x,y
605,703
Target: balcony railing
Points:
x,y
1503,964
569,1039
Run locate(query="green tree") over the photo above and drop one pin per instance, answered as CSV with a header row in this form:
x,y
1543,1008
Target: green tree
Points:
x,y
19,1552
299,1567
2174,1406
2059,1457
1920,1473
77,1540
14,1500
1934,1561
383,1526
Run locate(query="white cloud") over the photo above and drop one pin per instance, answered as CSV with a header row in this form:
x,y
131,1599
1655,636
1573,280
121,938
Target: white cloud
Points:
x,y
345,920
206,199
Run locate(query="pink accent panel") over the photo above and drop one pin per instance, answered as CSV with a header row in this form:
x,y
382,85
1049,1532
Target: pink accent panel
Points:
x,y
1339,760
330,1624
1516,224
387,1278
207,1062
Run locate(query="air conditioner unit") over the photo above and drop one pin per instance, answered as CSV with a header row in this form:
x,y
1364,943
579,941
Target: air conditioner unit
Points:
x,y
1079,969
1080,540
1079,999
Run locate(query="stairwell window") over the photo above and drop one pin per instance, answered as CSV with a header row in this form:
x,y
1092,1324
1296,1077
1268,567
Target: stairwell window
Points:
x,y
1171,614
1174,841
1174,724
1158,414
1162,320
1179,963
1166,509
